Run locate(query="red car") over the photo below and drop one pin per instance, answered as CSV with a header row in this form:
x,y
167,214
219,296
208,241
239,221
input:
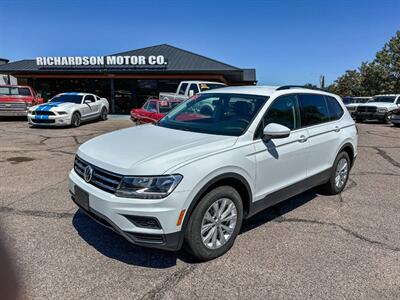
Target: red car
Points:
x,y
152,111
15,100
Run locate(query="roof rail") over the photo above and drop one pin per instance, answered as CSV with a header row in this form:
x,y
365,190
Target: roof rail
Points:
x,y
286,87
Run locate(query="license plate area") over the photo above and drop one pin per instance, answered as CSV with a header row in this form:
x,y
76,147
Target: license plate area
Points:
x,y
82,198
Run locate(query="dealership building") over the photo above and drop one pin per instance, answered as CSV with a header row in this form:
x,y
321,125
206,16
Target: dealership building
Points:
x,y
126,79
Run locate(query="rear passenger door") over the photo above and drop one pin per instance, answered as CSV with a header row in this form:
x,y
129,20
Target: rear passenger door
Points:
x,y
320,115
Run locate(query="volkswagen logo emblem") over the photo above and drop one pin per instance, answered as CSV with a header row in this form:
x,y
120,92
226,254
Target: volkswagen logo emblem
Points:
x,y
87,175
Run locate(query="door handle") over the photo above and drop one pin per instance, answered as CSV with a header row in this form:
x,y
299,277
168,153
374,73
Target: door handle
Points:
x,y
302,139
337,129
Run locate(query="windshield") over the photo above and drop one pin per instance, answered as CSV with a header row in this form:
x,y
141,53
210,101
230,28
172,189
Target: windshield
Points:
x,y
67,98
165,106
386,99
222,114
15,91
210,86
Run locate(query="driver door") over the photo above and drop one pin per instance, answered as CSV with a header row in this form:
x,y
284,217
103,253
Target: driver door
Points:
x,y
280,163
91,108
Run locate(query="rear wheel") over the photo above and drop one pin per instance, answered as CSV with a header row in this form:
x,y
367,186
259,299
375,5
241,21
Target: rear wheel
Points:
x,y
76,119
214,223
103,114
340,175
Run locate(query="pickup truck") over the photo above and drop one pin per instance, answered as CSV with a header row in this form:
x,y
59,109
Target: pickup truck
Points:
x,y
15,100
380,108
187,89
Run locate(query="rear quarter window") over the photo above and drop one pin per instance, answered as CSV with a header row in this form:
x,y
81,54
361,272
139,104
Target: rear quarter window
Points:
x,y
335,110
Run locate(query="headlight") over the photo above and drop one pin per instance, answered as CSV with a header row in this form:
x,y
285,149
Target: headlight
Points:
x,y
62,112
148,187
382,110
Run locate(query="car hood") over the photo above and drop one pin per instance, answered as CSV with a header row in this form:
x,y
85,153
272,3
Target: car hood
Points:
x,y
149,149
57,106
378,104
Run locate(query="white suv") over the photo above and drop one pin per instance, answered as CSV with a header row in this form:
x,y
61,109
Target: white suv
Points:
x,y
216,159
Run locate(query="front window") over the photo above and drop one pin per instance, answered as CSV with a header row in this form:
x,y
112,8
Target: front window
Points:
x,y
210,86
222,114
384,99
64,98
15,91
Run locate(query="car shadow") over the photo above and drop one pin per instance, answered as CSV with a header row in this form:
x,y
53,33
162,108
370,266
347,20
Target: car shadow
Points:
x,y
13,119
114,246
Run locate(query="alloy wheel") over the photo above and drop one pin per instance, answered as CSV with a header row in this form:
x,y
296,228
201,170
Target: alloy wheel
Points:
x,y
341,174
218,223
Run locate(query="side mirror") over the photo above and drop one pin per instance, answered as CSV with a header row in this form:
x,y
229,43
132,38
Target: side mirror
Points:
x,y
275,131
87,101
191,93
40,100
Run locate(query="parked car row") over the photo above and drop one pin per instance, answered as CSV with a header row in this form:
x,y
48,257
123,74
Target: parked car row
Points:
x,y
385,108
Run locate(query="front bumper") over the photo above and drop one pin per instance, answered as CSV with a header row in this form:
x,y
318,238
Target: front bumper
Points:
x,y
395,119
370,115
49,120
116,213
13,113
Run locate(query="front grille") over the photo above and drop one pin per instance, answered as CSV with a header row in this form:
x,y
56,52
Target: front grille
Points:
x,y
102,179
370,109
43,121
43,113
12,105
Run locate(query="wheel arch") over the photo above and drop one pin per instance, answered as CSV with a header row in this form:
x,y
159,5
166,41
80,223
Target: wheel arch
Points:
x,y
235,180
349,149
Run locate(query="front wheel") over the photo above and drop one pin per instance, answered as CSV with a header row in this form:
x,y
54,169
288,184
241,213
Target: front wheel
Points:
x,y
103,114
76,120
387,118
340,175
214,223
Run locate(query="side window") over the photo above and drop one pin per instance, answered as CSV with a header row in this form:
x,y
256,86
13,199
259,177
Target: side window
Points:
x,y
152,106
182,89
146,105
313,109
335,110
90,98
398,100
194,88
284,111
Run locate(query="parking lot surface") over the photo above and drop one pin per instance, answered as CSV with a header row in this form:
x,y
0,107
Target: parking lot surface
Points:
x,y
310,246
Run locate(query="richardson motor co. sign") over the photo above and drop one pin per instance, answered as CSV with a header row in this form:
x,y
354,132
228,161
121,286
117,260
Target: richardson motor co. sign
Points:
x,y
112,60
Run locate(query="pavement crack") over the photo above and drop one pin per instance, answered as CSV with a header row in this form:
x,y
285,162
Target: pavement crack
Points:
x,y
169,283
387,157
344,229
36,213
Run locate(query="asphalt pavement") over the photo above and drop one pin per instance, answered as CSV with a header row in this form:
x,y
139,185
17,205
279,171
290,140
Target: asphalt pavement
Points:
x,y
308,247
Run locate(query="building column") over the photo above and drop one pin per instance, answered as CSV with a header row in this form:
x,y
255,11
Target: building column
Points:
x,y
112,98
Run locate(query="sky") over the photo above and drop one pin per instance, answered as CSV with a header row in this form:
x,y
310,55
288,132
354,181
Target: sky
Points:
x,y
286,41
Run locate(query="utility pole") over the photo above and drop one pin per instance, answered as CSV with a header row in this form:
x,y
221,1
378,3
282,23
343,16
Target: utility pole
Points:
x,y
322,81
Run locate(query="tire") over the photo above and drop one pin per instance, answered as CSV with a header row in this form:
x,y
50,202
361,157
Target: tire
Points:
x,y
76,119
208,250
359,120
387,118
336,185
103,114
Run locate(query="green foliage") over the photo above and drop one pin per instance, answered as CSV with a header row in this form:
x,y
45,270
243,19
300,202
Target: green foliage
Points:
x,y
380,76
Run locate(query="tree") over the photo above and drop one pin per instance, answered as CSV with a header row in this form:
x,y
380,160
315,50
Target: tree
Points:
x,y
382,75
348,84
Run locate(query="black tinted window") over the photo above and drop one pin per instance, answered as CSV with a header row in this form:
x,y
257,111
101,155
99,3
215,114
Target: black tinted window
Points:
x,y
183,88
283,111
90,98
313,109
194,88
335,110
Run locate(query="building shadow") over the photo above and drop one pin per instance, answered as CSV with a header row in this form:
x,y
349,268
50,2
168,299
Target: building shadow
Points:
x,y
116,247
